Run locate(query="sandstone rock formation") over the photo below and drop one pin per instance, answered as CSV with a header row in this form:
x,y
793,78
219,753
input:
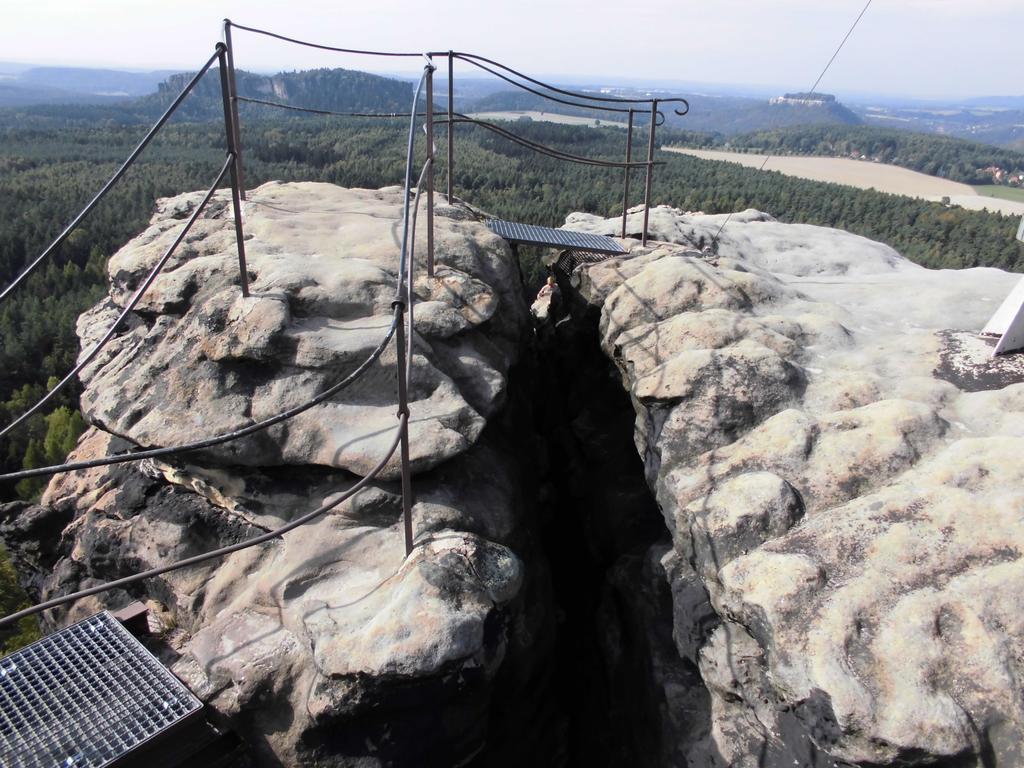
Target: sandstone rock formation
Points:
x,y
830,576
837,462
327,646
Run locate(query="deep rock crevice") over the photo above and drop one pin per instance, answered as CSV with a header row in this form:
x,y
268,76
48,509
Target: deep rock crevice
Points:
x,y
618,676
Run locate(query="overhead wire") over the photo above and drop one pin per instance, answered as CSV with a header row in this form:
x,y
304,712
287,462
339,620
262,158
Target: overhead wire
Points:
x,y
814,87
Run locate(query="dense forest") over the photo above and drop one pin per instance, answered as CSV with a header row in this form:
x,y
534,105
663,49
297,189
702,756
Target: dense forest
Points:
x,y
51,168
955,159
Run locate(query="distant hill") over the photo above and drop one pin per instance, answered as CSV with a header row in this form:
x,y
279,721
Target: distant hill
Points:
x,y
338,90
341,90
17,95
994,120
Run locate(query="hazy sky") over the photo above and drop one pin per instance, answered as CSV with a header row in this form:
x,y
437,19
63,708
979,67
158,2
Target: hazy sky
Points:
x,y
922,48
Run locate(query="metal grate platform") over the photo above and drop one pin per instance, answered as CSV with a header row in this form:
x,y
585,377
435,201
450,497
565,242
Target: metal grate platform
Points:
x,y
529,234
85,696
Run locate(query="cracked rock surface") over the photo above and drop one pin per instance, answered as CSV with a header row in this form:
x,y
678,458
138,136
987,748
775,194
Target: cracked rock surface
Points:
x,y
839,470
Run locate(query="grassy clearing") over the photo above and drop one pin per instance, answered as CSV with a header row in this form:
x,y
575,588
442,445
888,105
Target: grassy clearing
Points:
x,y
1015,194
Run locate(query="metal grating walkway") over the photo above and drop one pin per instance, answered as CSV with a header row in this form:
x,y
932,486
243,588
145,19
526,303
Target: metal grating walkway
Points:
x,y
85,696
529,234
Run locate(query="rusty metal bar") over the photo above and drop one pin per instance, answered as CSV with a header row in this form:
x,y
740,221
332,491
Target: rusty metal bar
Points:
x,y
403,415
430,169
233,95
625,172
451,124
236,203
650,168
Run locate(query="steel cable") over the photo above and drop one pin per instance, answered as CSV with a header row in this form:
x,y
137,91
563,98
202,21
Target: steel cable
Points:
x,y
534,91
406,264
541,148
714,240
227,437
405,273
84,361
545,150
329,112
474,59
197,559
319,45
609,99
116,177
260,425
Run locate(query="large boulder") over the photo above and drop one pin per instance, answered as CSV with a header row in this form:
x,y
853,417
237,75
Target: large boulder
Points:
x,y
200,359
834,456
328,645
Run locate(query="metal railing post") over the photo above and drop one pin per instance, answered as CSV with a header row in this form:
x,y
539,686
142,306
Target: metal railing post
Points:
x,y
625,174
236,203
403,414
451,122
430,169
650,169
233,95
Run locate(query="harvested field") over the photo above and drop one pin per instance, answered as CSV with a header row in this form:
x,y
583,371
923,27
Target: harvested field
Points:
x,y
549,117
866,175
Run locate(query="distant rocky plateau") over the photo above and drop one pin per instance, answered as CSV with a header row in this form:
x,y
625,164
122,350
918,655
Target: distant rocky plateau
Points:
x,y
760,504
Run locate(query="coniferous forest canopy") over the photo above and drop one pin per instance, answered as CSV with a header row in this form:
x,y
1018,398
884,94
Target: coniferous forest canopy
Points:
x,y
52,162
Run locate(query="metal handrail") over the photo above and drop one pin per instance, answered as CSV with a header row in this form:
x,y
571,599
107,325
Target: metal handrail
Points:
x,y
322,47
402,323
575,94
491,66
115,178
458,118
153,453
544,149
